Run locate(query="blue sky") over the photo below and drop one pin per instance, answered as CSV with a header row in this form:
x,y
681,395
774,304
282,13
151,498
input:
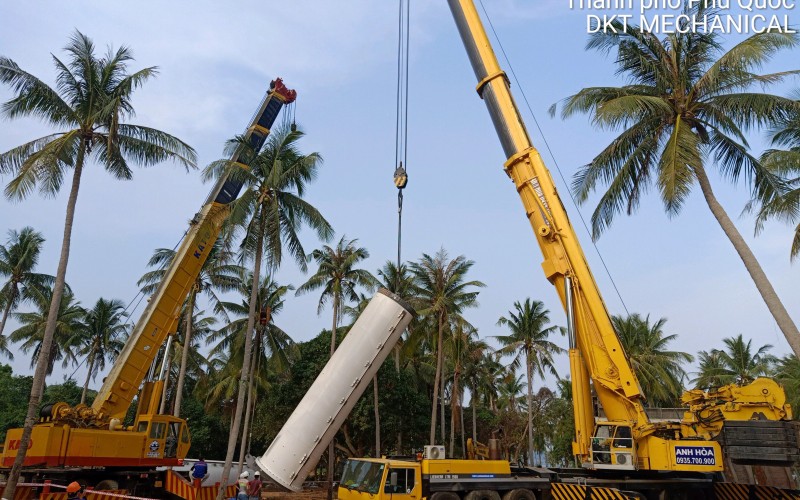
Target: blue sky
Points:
x,y
216,60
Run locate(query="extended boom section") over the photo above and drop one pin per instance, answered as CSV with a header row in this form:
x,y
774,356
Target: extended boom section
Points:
x,y
67,438
626,439
598,348
161,315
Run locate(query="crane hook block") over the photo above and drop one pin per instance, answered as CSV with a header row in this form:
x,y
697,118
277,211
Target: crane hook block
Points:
x,y
400,177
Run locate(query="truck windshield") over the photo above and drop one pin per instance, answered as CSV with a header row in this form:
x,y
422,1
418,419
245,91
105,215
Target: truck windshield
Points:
x,y
362,476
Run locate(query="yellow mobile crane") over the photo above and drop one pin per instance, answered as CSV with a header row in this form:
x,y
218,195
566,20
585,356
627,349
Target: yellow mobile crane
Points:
x,y
93,436
627,438
625,450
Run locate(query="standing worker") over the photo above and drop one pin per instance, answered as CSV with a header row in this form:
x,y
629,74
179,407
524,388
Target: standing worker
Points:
x,y
199,472
242,483
254,487
75,491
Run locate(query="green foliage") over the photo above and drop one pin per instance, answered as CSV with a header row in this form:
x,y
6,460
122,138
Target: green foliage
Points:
x,y
786,134
16,389
18,259
738,363
561,428
403,410
15,392
787,372
69,322
660,371
206,429
69,392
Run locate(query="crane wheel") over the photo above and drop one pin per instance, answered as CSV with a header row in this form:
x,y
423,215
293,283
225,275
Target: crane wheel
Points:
x,y
519,494
482,495
107,484
445,495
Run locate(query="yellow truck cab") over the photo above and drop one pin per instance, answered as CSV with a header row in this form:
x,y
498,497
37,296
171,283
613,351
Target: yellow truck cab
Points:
x,y
380,478
435,479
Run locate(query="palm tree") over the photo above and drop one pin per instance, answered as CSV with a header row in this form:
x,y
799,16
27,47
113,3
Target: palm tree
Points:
x,y
18,258
397,280
463,348
685,109
339,278
711,371
787,161
441,292
270,212
218,274
660,372
90,105
509,392
742,363
273,347
735,364
101,338
787,372
529,338
482,375
33,325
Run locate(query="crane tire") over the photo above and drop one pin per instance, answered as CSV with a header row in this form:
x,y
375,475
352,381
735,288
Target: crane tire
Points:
x,y
482,495
445,495
107,484
519,494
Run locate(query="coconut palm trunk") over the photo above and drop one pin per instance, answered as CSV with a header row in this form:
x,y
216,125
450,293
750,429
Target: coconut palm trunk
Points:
x,y
92,356
249,405
377,416
442,426
37,387
243,380
463,430
760,279
529,370
7,309
332,445
187,342
454,403
474,404
436,378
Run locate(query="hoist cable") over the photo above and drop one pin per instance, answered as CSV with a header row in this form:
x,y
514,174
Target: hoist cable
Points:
x,y
401,122
553,158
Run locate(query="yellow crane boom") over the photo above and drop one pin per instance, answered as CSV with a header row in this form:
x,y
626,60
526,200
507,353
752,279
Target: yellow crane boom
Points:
x,y
161,315
626,438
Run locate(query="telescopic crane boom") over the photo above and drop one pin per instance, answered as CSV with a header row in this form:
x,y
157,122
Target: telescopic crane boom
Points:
x,y
94,436
627,438
161,315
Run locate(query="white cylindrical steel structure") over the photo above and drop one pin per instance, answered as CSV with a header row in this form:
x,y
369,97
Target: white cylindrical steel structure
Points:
x,y
306,434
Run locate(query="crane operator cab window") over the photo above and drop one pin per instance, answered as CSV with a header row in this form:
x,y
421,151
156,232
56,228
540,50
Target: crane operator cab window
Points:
x,y
400,481
363,476
612,447
601,445
171,443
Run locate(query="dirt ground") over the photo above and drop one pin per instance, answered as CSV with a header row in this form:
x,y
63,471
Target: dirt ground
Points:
x,y
306,494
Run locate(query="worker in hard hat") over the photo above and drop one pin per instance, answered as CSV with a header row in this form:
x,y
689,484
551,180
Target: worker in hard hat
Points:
x,y
242,484
254,487
75,491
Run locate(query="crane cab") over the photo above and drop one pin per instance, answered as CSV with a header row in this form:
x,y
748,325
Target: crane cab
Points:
x,y
167,437
613,447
